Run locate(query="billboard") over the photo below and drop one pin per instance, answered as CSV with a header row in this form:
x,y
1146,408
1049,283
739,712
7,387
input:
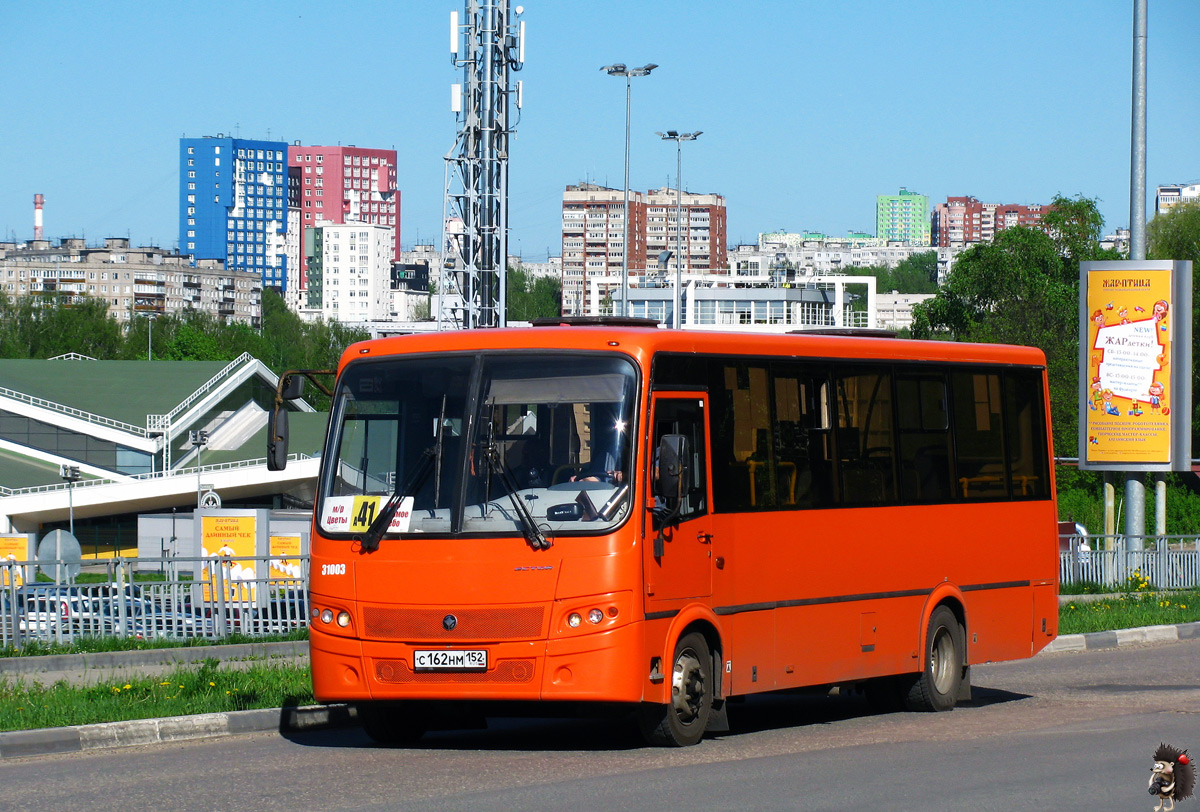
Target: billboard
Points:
x,y
1135,365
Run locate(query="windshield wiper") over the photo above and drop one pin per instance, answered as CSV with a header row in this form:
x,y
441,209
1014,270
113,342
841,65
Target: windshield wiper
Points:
x,y
370,539
529,529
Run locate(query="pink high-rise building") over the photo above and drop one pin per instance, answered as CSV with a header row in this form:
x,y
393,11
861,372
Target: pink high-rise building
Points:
x,y
344,185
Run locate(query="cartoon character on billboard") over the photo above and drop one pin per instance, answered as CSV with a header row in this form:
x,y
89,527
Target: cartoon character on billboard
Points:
x,y
1109,406
1156,397
1097,397
1160,314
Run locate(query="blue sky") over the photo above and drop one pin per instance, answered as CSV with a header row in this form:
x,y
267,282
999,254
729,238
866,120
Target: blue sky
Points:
x,y
809,109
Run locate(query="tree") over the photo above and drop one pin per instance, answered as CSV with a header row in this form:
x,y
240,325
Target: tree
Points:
x,y
1075,225
918,273
1175,234
529,297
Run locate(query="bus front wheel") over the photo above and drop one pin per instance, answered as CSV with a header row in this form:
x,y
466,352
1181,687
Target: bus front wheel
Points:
x,y
392,724
936,688
682,721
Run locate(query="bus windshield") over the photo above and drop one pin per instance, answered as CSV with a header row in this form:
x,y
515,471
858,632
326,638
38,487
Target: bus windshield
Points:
x,y
495,444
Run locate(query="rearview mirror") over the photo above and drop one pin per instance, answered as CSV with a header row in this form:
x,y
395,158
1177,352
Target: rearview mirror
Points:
x,y
277,438
674,478
293,387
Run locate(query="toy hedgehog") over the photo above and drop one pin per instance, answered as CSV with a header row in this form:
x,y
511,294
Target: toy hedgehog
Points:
x,y
1172,778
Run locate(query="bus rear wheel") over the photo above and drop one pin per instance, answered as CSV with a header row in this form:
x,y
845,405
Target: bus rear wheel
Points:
x,y
392,724
682,722
936,688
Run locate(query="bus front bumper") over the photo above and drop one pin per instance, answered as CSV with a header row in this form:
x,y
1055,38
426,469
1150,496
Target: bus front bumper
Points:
x,y
606,666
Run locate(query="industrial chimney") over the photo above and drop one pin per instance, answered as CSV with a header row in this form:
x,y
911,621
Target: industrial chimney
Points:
x,y
38,200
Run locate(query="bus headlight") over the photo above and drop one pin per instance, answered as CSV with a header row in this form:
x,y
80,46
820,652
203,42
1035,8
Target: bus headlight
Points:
x,y
343,618
574,619
327,616
595,616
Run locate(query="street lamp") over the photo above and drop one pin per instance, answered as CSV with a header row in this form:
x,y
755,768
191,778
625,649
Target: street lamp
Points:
x,y
198,439
70,473
679,138
150,318
619,69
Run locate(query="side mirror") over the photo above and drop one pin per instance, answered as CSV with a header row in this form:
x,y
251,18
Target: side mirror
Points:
x,y
277,437
293,387
674,470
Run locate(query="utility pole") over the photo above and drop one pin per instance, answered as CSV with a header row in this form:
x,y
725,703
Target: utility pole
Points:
x,y
488,45
1135,482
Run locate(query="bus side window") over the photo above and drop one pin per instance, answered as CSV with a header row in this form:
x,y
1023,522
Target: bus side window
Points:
x,y
924,428
803,464
866,441
979,436
685,416
1027,453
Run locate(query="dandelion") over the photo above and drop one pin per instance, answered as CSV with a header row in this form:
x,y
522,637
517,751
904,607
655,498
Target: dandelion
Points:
x,y
164,683
127,686
213,684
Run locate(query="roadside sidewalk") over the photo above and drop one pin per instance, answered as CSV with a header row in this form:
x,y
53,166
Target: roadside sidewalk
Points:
x,y
1124,637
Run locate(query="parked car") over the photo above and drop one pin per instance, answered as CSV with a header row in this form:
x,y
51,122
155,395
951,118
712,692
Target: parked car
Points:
x,y
283,613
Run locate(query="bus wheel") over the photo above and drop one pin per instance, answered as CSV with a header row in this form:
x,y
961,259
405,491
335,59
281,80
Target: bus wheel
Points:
x,y
682,722
391,724
936,688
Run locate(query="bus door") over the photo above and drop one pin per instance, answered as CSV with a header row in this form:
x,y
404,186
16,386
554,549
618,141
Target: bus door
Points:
x,y
678,550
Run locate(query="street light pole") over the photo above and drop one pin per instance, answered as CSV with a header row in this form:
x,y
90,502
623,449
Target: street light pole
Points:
x,y
619,69
198,439
678,138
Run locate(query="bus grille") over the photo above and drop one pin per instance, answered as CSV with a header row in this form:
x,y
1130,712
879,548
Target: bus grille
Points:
x,y
509,623
395,671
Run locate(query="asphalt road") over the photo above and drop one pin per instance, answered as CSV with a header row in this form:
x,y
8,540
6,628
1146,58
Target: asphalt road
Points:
x,y
1067,731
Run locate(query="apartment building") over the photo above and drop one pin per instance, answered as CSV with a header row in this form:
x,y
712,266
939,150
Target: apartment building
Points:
x,y
350,271
134,282
594,224
233,205
1176,194
965,221
344,185
903,218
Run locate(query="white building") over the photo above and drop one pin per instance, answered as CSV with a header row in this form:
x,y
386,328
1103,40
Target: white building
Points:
x,y
896,309
1176,194
349,271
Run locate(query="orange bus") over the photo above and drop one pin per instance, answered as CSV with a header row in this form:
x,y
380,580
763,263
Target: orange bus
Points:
x,y
661,520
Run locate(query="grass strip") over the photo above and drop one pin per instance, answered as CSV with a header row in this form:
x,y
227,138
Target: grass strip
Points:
x,y
97,644
1129,610
200,688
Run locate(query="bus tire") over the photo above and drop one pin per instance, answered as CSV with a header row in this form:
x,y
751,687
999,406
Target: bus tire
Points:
x,y
390,724
682,722
936,688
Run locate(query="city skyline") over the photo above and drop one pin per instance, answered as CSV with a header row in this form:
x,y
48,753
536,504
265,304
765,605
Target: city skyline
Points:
x,y
1009,104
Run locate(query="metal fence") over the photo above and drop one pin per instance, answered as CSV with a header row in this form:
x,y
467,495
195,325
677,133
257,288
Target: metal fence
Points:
x,y
189,597
1122,562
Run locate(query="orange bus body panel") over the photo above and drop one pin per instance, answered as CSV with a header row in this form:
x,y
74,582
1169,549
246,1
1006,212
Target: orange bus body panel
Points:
x,y
796,598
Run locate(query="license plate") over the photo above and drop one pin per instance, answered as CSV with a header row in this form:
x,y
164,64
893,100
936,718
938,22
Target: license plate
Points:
x,y
446,660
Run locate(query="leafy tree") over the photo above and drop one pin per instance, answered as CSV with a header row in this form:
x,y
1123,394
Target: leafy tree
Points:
x,y
530,298
1075,225
917,273
1175,234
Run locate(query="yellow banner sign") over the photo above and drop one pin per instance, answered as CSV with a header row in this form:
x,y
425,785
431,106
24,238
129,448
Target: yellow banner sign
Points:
x,y
1128,366
223,539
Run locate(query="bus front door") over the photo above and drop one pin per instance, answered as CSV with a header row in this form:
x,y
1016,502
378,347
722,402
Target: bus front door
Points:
x,y
678,551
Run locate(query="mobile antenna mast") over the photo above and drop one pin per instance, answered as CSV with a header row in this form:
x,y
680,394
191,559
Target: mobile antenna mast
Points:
x,y
488,43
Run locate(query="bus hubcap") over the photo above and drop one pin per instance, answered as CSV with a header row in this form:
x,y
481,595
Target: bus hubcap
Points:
x,y
687,686
942,660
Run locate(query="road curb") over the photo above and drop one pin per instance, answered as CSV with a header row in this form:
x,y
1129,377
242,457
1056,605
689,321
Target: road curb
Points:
x,y
1124,637
48,741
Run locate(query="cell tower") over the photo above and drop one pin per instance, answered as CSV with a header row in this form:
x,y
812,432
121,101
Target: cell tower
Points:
x,y
488,44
